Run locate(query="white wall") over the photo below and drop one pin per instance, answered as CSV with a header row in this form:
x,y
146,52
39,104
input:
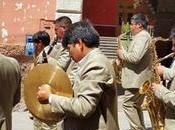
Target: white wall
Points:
x,y
70,8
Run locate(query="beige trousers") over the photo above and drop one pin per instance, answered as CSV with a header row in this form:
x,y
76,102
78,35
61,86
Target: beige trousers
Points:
x,y
132,108
38,125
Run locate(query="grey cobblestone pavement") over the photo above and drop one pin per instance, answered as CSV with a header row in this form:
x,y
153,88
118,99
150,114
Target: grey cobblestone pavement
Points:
x,y
21,119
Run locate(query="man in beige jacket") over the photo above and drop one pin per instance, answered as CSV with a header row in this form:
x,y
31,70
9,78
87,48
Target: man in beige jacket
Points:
x,y
167,95
135,70
59,55
9,90
94,104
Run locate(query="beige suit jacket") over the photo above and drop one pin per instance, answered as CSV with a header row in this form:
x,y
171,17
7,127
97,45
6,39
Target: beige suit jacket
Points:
x,y
94,104
136,61
9,90
59,56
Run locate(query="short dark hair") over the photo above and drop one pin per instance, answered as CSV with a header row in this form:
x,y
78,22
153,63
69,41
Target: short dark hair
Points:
x,y
42,36
172,33
140,18
64,21
84,31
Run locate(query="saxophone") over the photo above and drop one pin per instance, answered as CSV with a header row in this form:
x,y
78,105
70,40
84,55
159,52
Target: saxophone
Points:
x,y
155,107
120,44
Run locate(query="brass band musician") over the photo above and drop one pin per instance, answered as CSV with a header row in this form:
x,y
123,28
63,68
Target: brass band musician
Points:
x,y
167,95
60,56
10,89
93,105
41,40
135,70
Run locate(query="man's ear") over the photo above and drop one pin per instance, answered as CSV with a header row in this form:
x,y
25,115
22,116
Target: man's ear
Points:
x,y
140,25
63,28
80,43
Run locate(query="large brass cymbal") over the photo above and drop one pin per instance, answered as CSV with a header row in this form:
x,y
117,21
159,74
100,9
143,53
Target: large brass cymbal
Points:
x,y
60,85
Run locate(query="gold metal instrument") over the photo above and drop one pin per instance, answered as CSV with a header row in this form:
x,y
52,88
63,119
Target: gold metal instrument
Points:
x,y
155,107
120,44
60,84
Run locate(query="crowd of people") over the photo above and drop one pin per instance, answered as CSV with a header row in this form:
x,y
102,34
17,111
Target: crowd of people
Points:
x,y
94,102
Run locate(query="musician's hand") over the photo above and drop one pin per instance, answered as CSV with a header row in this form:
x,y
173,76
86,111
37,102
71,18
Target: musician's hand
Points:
x,y
48,56
117,62
43,93
160,69
118,52
154,86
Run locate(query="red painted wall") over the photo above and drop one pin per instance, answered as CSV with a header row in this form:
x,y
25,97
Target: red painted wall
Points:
x,y
21,17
